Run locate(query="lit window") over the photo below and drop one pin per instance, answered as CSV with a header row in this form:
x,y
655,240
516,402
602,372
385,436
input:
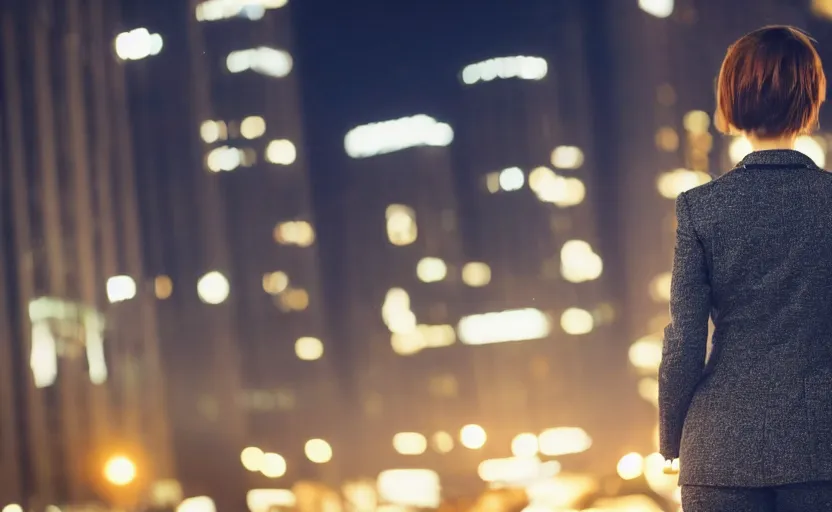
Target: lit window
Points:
x,y
667,139
163,286
43,358
281,152
739,148
504,326
252,458
646,354
396,304
648,390
309,349
298,233
525,68
822,8
138,44
558,190
224,158
472,437
567,157
410,443
442,442
401,225
294,299
273,465
409,488
579,263
263,60
660,287
438,335
318,451
213,10
631,466
248,157
476,274
413,339
96,360
555,442
407,343
697,121
197,504
120,289
539,178
673,183
518,470
577,321
524,445
431,270
275,283
512,179
492,182
213,288
657,8
402,322
212,131
253,127
391,136
813,147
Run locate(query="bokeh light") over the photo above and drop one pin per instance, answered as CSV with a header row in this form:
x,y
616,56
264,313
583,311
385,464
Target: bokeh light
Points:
x,y
120,470
472,437
318,451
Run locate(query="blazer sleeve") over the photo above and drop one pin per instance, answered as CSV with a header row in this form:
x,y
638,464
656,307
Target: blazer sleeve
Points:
x,y
686,338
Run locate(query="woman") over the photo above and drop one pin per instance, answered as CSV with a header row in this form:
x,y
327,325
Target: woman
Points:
x,y
752,427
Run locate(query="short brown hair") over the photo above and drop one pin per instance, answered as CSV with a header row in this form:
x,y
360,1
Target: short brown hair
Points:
x,y
771,84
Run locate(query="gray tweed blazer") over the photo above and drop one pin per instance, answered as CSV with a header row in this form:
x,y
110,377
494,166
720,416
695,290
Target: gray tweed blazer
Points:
x,y
753,252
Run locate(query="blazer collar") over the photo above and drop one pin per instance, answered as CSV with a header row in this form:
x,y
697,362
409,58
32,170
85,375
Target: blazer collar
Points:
x,y
777,158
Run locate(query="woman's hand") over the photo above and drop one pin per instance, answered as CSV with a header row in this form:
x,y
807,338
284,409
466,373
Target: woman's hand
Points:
x,y
671,467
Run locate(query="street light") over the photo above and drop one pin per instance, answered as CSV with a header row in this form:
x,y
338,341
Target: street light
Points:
x,y
120,471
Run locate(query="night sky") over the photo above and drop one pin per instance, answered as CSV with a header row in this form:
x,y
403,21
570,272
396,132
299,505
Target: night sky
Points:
x,y
372,60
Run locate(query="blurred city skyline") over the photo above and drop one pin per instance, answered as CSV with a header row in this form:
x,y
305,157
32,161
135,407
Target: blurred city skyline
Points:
x,y
319,240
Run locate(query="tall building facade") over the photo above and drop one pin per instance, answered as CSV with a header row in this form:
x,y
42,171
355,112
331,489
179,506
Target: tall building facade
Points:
x,y
480,317
529,186
403,270
226,204
81,379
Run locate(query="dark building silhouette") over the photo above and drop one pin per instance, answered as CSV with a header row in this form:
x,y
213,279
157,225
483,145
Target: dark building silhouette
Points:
x,y
402,273
81,377
231,235
473,278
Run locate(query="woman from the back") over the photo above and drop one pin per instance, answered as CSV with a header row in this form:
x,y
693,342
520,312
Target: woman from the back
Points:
x,y
752,426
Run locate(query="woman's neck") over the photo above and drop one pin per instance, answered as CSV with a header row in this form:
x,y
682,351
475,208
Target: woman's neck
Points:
x,y
758,144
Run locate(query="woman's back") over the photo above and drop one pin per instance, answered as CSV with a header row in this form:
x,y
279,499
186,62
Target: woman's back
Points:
x,y
759,415
753,428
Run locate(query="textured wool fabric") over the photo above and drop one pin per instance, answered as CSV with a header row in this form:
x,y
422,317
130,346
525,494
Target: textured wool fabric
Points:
x,y
753,252
808,497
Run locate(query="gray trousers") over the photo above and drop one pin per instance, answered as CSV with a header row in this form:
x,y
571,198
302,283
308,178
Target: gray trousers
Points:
x,y
809,497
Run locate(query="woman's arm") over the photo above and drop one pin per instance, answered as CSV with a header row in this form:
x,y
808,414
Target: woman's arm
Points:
x,y
686,338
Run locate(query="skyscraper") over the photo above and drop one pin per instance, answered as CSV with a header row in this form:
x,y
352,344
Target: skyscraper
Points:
x,y
81,379
226,205
402,263
529,183
509,333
